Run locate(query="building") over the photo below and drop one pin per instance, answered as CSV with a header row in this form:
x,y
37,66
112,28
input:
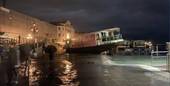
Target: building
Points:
x,y
65,33
25,29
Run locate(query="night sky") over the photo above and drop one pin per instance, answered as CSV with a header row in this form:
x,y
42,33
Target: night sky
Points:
x,y
138,19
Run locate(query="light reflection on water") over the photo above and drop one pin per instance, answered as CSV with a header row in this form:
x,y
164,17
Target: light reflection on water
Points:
x,y
35,74
69,74
57,73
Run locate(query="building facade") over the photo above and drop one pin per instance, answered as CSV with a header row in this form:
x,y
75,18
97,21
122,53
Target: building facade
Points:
x,y
65,32
24,29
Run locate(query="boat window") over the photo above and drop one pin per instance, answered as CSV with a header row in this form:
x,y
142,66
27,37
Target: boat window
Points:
x,y
98,37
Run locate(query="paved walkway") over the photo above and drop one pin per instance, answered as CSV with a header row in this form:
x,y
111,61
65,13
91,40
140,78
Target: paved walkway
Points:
x,y
90,70
103,72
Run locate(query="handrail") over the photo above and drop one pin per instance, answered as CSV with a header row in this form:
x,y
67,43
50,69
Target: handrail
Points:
x,y
159,51
157,54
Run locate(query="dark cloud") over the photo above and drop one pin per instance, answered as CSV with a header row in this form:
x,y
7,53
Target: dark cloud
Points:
x,y
138,19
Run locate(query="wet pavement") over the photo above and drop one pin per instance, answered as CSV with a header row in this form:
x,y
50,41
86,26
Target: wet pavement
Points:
x,y
88,70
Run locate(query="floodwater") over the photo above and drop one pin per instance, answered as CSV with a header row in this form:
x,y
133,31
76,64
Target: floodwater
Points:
x,y
59,72
89,70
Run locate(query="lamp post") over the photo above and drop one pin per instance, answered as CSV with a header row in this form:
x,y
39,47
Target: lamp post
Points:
x,y
35,31
68,40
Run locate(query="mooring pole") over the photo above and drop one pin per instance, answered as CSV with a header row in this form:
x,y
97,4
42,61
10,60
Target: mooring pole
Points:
x,y
4,3
168,56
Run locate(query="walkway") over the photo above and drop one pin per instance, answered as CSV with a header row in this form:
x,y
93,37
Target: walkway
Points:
x,y
91,70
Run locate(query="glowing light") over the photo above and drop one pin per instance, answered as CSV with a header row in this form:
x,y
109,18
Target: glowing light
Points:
x,y
34,25
67,42
68,36
148,43
29,36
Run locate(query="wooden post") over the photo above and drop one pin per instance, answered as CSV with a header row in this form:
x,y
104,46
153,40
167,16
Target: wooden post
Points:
x,y
4,3
157,50
19,40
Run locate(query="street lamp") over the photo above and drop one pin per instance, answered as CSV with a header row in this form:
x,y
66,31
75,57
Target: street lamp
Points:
x,y
34,28
68,39
68,36
35,31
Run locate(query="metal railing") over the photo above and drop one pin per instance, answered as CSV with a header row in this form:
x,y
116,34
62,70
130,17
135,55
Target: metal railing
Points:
x,y
168,56
159,59
156,55
168,61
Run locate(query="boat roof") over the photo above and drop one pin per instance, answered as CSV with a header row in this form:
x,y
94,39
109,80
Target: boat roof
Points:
x,y
109,29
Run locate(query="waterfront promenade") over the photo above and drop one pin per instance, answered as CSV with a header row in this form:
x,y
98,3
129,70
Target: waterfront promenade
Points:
x,y
91,70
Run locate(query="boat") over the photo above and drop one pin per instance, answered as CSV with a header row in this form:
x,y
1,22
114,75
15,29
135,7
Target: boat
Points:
x,y
95,42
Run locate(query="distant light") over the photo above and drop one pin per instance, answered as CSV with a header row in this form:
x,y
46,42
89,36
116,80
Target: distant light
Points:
x,y
29,36
148,43
36,30
68,36
34,25
32,30
67,41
